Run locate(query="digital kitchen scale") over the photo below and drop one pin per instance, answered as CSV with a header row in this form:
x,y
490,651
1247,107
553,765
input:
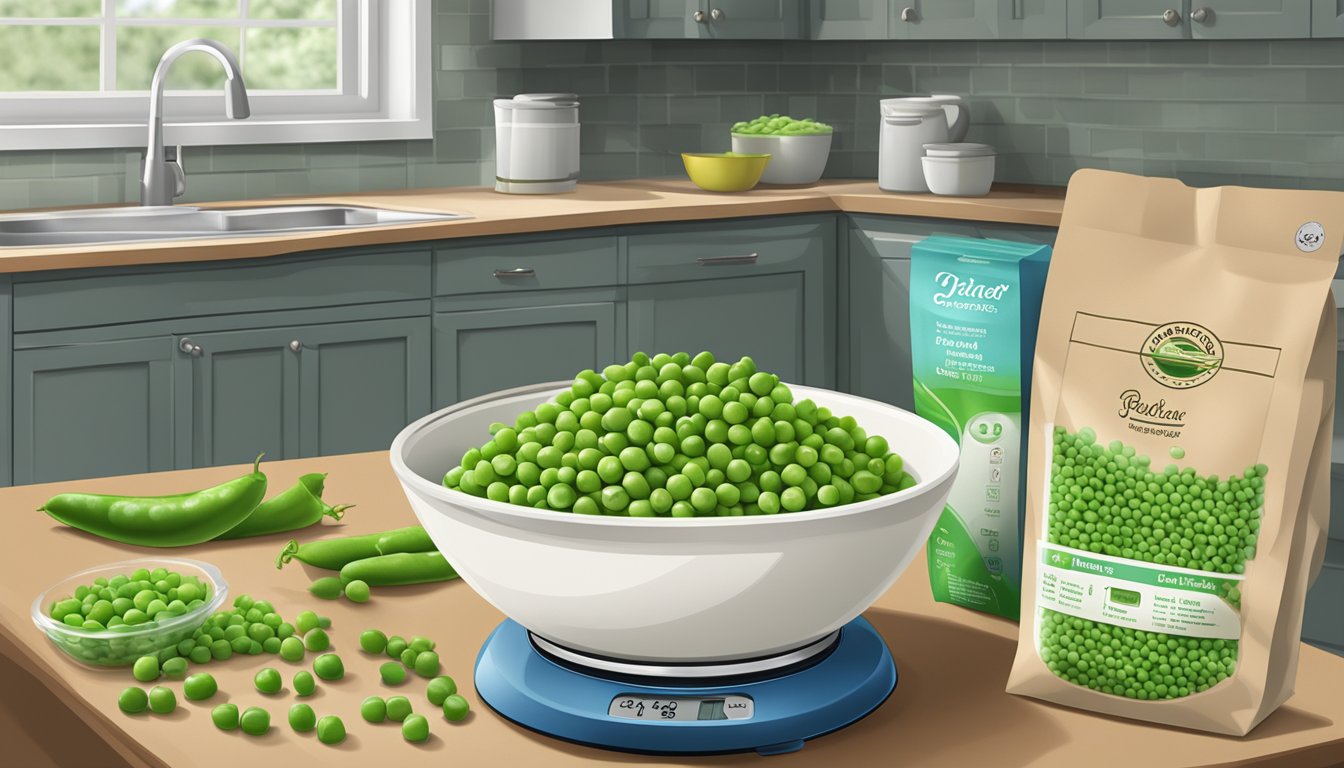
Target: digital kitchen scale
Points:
x,y
771,704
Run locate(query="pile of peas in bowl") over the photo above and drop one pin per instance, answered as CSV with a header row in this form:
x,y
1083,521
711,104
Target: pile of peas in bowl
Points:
x,y
111,615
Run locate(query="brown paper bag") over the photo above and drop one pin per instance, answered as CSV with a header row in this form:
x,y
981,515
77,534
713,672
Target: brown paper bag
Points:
x,y
1179,459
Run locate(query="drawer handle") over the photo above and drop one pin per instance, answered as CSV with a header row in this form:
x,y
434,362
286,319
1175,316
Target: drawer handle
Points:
x,y
516,272
710,261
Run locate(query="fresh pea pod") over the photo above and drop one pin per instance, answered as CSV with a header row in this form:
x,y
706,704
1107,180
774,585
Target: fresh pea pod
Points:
x,y
399,569
333,554
298,507
162,521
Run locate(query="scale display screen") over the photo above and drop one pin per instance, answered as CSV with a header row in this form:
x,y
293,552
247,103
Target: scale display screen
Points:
x,y
680,709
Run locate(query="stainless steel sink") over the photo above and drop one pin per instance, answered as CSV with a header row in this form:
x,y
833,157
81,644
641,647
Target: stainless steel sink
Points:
x,y
117,225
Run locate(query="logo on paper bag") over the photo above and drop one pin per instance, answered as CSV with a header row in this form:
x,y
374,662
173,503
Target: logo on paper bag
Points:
x,y
1310,237
1181,355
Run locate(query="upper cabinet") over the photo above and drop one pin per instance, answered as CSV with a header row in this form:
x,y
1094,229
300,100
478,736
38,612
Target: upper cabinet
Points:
x,y
1128,19
1241,19
1327,18
917,19
977,19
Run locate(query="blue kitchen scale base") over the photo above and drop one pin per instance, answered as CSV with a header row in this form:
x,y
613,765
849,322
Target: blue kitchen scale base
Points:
x,y
771,706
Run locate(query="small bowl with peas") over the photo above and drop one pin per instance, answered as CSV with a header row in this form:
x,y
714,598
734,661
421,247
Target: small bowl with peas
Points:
x,y
610,519
113,614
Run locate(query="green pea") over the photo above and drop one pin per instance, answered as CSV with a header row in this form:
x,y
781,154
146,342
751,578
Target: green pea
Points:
x,y
372,641
327,588
317,640
395,645
304,684
357,591
455,708
439,689
146,669
175,668
133,701
373,709
291,649
392,672
427,664
162,701
307,621
268,680
225,716
302,718
330,730
398,707
200,686
328,666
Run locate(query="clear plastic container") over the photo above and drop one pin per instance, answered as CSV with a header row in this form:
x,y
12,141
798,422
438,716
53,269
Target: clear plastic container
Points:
x,y
121,646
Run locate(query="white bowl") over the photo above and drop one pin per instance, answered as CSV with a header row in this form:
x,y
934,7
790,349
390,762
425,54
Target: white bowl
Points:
x,y
793,159
963,176
674,589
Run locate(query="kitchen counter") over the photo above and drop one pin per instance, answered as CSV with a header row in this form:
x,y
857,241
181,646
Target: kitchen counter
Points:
x,y
949,708
591,205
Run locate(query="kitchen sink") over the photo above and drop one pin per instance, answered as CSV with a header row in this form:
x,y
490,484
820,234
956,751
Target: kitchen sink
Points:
x,y
130,224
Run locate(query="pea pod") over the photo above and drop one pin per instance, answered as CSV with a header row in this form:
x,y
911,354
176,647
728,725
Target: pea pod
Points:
x,y
333,554
162,521
298,507
399,569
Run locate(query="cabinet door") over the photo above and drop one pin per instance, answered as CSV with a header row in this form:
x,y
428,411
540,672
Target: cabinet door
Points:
x,y
93,410
478,352
755,19
1327,18
1241,19
646,19
1128,19
761,316
848,19
878,324
361,383
239,396
977,19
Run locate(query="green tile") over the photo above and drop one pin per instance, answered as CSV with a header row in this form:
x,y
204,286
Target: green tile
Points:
x,y
1249,84
13,195
457,144
1306,52
381,153
381,177
653,108
954,52
1178,52
715,78
205,187
1297,117
257,158
27,165
1074,52
92,162
1239,53
464,113
693,109
929,79
596,139
1052,80
1105,80
1011,52
762,77
991,80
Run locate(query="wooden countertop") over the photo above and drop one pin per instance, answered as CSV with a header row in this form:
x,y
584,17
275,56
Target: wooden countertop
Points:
x,y
591,205
949,708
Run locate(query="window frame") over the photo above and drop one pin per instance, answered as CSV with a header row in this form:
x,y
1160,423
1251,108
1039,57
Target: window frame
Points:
x,y
383,93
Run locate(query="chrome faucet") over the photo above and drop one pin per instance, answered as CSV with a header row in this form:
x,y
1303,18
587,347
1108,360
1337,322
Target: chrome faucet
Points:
x,y
162,178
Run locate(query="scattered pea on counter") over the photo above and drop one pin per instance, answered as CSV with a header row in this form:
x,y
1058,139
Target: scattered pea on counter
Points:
x,y
455,708
372,641
392,672
357,591
304,685
133,701
302,718
146,669
373,709
162,701
317,640
327,588
225,716
427,664
255,721
175,669
398,707
439,689
329,666
415,728
199,687
268,681
291,649
330,730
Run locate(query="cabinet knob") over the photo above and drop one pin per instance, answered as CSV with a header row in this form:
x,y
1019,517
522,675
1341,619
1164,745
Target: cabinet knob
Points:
x,y
296,345
190,347
909,14
1202,15
1172,17
699,17
716,14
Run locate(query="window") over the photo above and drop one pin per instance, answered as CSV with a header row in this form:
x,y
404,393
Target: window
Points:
x,y
76,73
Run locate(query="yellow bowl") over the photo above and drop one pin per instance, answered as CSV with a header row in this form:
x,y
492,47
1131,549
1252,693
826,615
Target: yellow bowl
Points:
x,y
725,172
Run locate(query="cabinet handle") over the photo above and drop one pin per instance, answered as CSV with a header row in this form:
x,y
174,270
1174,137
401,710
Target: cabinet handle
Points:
x,y
296,346
909,14
190,347
516,272
711,261
1172,17
1202,15
699,17
716,14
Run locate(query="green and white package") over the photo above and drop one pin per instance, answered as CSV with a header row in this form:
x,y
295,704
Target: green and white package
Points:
x,y
974,309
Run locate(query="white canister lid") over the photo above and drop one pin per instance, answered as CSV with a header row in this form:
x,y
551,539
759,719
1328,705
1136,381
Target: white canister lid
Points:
x,y
908,108
959,149
539,101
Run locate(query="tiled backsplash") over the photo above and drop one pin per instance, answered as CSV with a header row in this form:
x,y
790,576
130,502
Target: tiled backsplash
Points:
x,y
1251,112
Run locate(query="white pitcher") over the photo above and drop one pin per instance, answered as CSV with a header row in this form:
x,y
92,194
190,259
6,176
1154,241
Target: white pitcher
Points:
x,y
906,127
958,116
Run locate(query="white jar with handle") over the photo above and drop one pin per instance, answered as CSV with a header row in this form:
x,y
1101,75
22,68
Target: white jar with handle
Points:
x,y
906,127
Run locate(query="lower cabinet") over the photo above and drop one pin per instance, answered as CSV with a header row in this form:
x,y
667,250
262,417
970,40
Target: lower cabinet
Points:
x,y
480,351
302,390
95,409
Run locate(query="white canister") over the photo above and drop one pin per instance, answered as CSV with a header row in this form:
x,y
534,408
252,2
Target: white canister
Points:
x,y
958,116
906,127
537,143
